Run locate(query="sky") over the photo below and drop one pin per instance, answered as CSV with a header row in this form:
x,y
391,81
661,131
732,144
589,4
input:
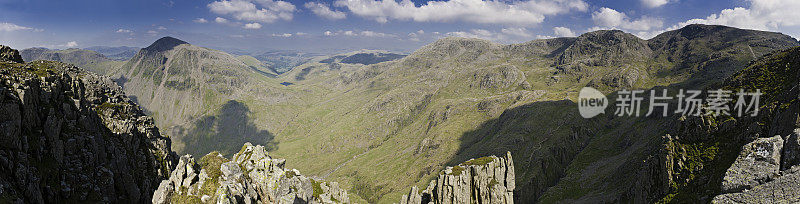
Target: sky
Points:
x,y
346,25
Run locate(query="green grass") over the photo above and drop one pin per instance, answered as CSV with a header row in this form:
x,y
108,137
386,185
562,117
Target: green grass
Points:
x,y
211,163
317,189
478,161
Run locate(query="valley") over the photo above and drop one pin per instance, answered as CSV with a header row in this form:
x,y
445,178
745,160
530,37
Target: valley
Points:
x,y
379,123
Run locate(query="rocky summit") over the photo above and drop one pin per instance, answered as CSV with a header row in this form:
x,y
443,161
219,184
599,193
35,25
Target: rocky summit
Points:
x,y
250,176
73,136
482,180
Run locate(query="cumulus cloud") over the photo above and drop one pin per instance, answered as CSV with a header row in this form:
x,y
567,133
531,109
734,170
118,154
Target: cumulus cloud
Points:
x,y
521,32
200,20
221,20
607,18
252,26
415,36
124,31
523,13
654,3
285,35
324,11
267,11
161,28
71,44
563,32
365,33
761,15
12,27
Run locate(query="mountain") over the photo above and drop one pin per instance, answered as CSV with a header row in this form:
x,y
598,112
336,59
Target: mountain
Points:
x,y
323,65
259,66
387,126
285,60
116,53
200,96
69,135
87,59
377,129
381,128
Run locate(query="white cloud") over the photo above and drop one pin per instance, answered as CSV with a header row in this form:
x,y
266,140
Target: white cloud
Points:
x,y
563,32
221,20
161,28
300,33
124,31
654,3
415,36
480,33
324,11
12,27
200,20
544,37
285,35
762,15
366,33
252,26
607,18
71,44
523,13
245,10
521,32
152,32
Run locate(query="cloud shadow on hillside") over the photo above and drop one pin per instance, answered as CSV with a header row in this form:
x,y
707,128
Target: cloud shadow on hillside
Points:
x,y
226,132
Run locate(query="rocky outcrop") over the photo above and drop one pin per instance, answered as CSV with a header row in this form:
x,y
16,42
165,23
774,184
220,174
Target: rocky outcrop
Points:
x,y
483,180
73,136
9,55
250,176
791,150
758,162
784,189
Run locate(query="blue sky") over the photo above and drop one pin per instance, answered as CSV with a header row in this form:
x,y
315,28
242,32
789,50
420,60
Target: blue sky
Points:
x,y
344,25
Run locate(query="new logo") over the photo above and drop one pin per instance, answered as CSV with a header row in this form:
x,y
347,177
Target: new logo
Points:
x,y
591,102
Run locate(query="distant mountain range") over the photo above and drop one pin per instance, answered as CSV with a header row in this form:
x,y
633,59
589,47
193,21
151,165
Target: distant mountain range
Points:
x,y
115,53
379,123
90,60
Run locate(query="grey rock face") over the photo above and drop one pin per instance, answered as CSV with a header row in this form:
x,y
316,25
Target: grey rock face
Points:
x,y
72,135
791,150
250,176
483,180
784,189
164,192
758,162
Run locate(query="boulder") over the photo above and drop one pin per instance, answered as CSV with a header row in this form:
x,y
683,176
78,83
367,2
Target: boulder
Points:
x,y
163,193
757,163
784,189
791,151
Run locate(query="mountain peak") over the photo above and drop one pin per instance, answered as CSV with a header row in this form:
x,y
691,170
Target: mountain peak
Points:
x,y
164,44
